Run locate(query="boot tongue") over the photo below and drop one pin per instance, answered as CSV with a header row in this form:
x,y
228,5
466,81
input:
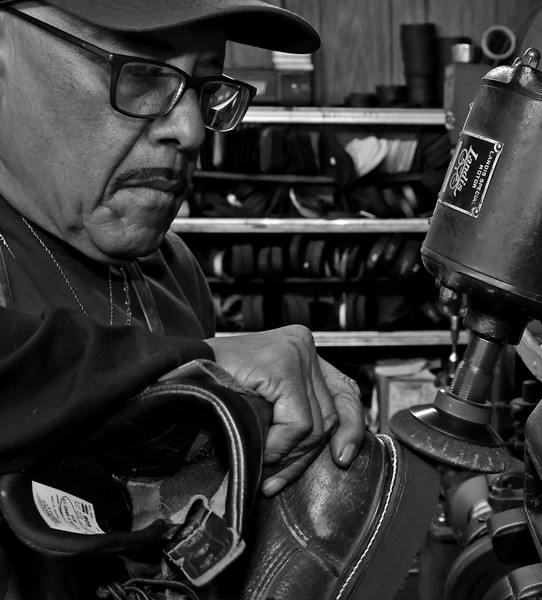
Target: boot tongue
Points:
x,y
204,546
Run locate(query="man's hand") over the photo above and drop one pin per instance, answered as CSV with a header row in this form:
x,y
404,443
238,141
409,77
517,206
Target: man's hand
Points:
x,y
312,401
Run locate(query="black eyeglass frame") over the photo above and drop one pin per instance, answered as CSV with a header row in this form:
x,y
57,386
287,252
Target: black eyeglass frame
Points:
x,y
117,61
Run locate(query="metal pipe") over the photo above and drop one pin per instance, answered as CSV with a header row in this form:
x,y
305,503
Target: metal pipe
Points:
x,y
475,372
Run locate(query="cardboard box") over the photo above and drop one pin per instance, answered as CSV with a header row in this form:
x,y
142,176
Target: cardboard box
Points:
x,y
295,88
400,384
264,80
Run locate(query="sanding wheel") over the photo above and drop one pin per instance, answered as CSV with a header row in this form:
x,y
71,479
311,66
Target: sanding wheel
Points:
x,y
444,448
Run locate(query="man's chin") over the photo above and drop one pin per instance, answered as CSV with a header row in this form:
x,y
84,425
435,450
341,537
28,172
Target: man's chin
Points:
x,y
127,248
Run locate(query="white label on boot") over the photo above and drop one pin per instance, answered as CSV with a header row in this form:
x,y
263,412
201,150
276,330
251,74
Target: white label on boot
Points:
x,y
64,511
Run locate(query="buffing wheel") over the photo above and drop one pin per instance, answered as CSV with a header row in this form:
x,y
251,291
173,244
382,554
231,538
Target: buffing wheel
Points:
x,y
446,449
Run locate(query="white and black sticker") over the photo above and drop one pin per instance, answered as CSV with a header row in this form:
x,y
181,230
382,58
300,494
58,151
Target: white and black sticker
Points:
x,y
469,174
64,511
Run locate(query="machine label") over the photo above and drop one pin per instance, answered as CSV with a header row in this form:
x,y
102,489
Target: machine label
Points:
x,y
469,173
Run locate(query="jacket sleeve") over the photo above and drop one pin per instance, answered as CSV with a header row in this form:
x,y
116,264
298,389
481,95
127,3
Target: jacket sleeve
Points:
x,y
61,374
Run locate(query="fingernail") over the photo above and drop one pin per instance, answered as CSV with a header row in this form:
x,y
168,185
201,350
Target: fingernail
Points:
x,y
273,486
347,455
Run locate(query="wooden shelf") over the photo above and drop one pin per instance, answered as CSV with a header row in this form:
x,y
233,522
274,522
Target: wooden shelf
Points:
x,y
234,225
371,178
226,280
333,116
263,178
345,116
380,338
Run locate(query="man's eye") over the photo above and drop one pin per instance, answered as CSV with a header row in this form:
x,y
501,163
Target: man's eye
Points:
x,y
149,73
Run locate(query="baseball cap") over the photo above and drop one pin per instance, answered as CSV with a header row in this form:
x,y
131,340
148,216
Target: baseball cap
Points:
x,y
252,22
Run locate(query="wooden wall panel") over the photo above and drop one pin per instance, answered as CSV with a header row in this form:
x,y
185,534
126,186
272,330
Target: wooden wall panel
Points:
x,y
309,9
361,38
353,56
518,16
312,11
459,18
462,18
402,11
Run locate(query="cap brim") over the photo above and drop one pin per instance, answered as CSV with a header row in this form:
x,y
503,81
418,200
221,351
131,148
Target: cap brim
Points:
x,y
251,22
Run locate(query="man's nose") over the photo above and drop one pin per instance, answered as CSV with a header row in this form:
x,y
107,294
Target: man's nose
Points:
x,y
182,125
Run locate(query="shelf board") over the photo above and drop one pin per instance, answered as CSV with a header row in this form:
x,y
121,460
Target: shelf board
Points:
x,y
380,338
226,280
264,178
234,225
290,178
345,116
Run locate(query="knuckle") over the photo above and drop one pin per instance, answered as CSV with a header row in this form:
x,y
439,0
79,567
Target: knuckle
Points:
x,y
350,385
304,429
301,333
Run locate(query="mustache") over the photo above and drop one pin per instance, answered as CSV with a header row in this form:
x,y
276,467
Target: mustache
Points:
x,y
147,173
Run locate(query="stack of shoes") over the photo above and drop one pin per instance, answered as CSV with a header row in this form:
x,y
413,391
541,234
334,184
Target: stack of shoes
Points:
x,y
367,153
392,294
279,150
244,201
349,311
397,201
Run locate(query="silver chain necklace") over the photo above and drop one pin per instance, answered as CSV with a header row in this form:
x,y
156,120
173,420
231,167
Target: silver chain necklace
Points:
x,y
3,240
126,285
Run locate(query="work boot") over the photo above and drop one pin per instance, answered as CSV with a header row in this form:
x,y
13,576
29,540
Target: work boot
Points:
x,y
338,534
332,535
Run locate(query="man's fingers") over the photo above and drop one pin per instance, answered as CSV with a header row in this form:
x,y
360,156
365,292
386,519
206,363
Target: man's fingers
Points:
x,y
326,404
318,389
285,443
274,484
349,435
312,401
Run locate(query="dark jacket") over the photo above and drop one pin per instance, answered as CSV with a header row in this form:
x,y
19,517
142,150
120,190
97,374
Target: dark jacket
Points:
x,y
64,372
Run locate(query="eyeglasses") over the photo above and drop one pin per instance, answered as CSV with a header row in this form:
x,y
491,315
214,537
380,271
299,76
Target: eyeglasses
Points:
x,y
148,89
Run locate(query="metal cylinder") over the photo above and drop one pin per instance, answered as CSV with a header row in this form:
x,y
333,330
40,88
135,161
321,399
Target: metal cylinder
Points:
x,y
485,237
475,372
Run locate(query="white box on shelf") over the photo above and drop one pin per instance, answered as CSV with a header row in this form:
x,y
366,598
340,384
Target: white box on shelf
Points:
x,y
400,384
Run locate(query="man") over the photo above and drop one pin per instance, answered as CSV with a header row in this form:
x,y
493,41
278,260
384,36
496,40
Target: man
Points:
x,y
103,106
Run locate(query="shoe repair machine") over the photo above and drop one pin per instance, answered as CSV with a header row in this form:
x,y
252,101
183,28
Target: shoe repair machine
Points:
x,y
485,243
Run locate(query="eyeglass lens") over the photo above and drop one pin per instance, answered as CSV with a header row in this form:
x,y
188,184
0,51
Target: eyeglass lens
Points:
x,y
145,89
148,90
223,104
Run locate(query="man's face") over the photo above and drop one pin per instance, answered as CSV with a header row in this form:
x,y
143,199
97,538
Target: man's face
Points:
x,y
108,184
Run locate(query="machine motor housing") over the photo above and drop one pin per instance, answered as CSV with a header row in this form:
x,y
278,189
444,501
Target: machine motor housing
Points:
x,y
485,235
